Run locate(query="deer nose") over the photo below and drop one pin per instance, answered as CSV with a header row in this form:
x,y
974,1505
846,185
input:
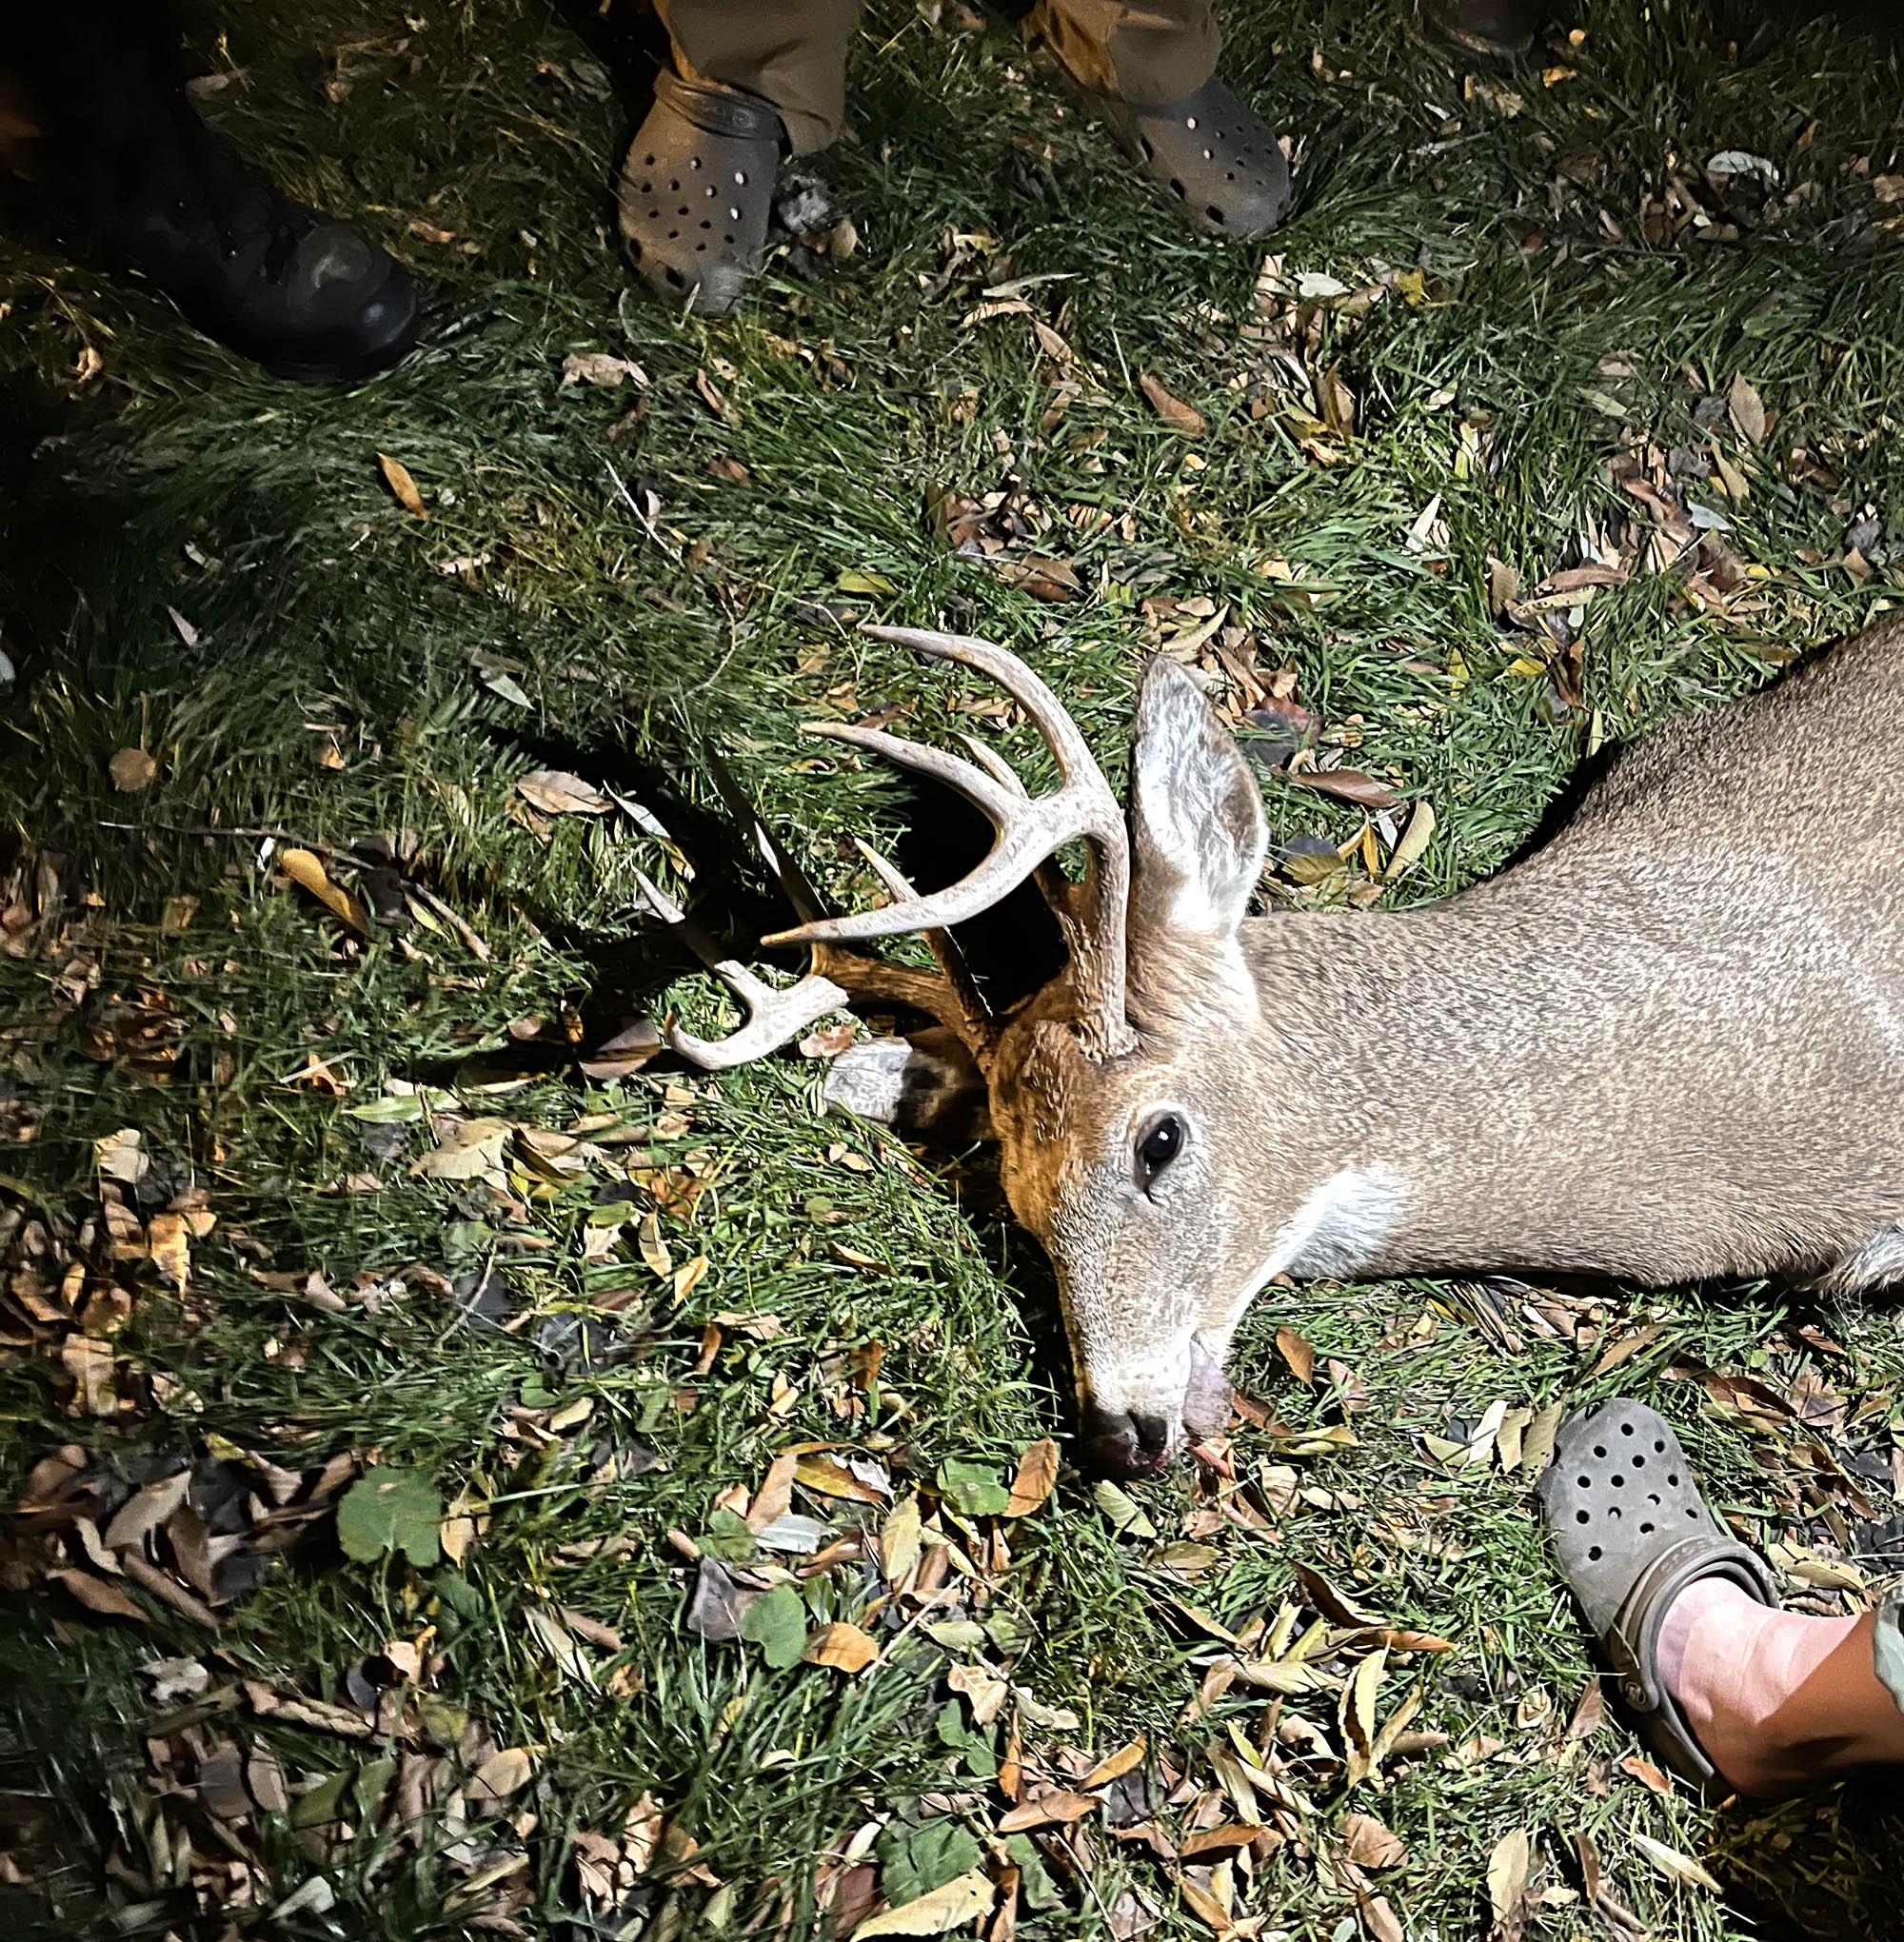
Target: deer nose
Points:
x,y
1118,1443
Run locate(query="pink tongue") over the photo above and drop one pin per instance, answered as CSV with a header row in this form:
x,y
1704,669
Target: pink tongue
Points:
x,y
1206,1407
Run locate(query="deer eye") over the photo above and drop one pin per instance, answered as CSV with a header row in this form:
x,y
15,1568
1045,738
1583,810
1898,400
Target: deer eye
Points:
x,y
1160,1145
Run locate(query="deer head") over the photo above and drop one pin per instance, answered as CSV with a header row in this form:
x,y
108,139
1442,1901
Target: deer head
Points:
x,y
1121,1093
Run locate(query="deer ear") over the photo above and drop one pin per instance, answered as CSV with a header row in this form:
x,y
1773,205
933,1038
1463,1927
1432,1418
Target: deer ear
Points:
x,y
1197,822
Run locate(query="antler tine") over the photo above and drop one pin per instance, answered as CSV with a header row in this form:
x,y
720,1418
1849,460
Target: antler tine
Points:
x,y
1076,764
774,1016
945,952
807,902
1030,832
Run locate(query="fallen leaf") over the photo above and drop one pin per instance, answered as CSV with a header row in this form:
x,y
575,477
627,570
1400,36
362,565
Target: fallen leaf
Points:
x,y
982,1689
1507,1873
466,1151
1042,578
1037,1474
599,368
829,1042
500,1775
1114,1766
309,873
557,792
397,477
389,1509
961,1900
1414,843
97,1596
1647,1774
1171,410
1298,1355
132,769
1350,784
1674,1865
843,1646
1747,411
1371,1844
169,1241
1056,1809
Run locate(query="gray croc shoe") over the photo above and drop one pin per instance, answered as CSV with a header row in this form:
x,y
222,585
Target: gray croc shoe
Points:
x,y
1630,1532
1212,152
697,191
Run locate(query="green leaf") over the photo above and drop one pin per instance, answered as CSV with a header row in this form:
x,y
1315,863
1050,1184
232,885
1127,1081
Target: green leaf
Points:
x,y
972,1489
915,1861
387,1511
728,1537
776,1624
1126,1514
1034,1882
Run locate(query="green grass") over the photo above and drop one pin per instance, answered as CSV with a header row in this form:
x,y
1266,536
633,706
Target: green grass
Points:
x,y
340,685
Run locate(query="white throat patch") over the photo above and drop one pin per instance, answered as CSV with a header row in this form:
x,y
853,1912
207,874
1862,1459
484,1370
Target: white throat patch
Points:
x,y
1337,1229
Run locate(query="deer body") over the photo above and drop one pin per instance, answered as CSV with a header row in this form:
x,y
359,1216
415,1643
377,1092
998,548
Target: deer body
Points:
x,y
1666,1045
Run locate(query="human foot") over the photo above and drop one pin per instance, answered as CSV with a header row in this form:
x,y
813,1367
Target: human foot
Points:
x,y
1779,1701
1630,1532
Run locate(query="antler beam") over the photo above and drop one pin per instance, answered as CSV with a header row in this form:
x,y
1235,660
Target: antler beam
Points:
x,y
1030,831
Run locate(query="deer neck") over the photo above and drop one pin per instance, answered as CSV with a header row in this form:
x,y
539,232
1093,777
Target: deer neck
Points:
x,y
1441,1090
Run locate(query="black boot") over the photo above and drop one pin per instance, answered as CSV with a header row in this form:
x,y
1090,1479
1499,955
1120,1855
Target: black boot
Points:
x,y
303,295
1503,27
116,161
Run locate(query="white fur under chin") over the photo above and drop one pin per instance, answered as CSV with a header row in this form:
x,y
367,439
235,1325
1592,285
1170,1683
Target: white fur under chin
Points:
x,y
1337,1230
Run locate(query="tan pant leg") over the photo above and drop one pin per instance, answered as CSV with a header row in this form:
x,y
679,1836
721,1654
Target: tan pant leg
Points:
x,y
1145,52
789,52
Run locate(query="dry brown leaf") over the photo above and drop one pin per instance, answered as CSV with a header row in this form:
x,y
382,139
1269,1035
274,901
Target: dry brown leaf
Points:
x,y
1350,784
557,792
1371,1844
1674,1865
171,1242
715,399
843,1646
1646,1774
1171,410
1206,1907
982,1689
958,1901
1037,1474
1298,1355
403,487
830,1041
1114,1766
1216,1840
1507,1873
97,1596
131,770
309,873
1590,1711
1747,411
1049,1810
599,368
498,1776
1381,1921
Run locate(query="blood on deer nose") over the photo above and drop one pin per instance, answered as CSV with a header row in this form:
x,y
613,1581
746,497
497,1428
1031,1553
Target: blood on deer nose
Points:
x,y
1116,1443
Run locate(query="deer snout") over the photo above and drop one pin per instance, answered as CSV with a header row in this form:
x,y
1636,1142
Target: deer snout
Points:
x,y
1123,1444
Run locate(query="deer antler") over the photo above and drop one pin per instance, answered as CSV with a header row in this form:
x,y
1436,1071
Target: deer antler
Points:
x,y
1031,830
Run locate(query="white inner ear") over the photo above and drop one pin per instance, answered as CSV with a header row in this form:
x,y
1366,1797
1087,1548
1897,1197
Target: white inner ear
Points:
x,y
1198,811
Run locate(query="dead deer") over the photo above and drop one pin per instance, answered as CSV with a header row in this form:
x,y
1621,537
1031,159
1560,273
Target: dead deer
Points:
x,y
1667,1046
